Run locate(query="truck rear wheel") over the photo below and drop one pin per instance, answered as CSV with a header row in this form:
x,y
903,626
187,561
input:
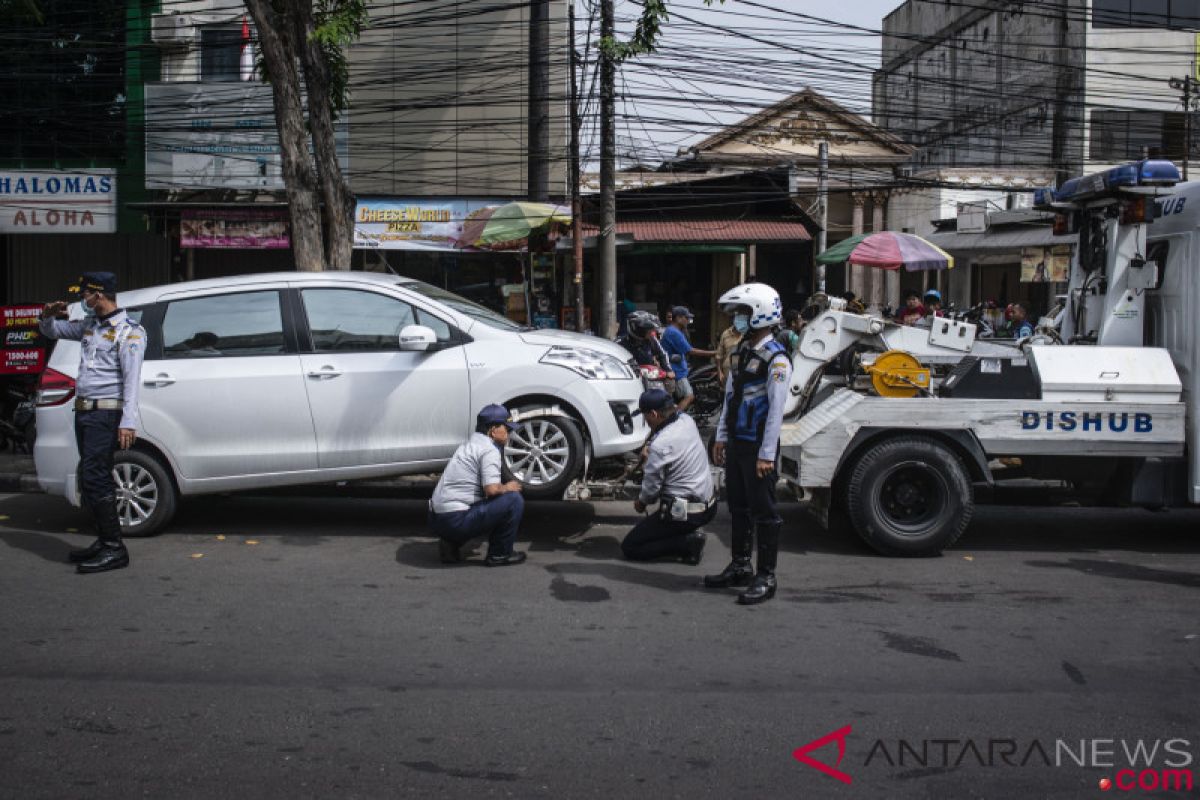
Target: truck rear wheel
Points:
x,y
909,496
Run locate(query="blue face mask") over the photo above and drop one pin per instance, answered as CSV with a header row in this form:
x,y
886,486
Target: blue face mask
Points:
x,y
741,323
88,311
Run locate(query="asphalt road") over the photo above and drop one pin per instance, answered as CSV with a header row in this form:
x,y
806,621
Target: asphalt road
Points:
x,y
319,650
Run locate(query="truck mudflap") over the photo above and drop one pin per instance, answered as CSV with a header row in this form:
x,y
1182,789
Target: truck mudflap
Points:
x,y
813,448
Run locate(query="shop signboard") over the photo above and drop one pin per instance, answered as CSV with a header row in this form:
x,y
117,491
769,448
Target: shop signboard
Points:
x,y
416,223
24,349
239,228
217,135
1046,264
58,201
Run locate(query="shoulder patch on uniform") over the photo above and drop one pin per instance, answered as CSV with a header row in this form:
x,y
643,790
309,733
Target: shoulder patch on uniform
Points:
x,y
779,372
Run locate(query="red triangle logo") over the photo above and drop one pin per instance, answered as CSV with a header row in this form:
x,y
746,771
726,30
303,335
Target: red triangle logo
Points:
x,y
801,754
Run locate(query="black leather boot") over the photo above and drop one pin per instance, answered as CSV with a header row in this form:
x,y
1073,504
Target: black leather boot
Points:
x,y
112,553
739,572
763,587
79,554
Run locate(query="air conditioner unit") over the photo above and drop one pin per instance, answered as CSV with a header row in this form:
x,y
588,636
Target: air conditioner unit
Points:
x,y
172,28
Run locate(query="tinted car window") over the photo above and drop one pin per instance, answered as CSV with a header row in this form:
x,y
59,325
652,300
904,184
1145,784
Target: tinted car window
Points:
x,y
347,320
243,324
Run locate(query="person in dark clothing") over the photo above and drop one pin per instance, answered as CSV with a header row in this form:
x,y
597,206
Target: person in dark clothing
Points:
x,y
642,341
747,440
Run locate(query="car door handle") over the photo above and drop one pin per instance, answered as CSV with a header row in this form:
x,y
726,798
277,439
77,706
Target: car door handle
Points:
x,y
325,372
161,379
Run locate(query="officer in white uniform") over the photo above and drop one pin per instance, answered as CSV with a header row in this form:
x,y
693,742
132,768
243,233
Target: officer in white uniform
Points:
x,y
112,347
470,499
677,477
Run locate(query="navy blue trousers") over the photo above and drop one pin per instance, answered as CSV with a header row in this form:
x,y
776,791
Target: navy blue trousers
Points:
x,y
497,518
96,438
655,537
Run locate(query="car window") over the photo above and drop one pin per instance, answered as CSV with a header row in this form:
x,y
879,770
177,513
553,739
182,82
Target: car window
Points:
x,y
463,306
357,321
242,324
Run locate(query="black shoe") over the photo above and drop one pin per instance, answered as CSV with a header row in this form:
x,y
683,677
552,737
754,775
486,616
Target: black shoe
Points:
x,y
760,591
108,558
738,573
79,554
506,560
695,548
449,552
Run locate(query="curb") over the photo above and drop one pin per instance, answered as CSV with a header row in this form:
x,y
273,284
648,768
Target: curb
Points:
x,y
19,482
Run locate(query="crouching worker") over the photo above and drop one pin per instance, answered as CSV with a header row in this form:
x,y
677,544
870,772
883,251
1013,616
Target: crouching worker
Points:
x,y
470,500
676,476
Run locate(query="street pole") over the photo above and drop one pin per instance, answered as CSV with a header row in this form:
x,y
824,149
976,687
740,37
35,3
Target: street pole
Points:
x,y
607,323
539,101
576,198
1187,87
822,207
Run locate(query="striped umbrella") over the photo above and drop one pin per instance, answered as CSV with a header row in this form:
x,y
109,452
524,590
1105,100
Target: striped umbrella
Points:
x,y
888,250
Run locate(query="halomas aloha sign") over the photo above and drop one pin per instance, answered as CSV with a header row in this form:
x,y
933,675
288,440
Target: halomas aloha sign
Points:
x,y
58,201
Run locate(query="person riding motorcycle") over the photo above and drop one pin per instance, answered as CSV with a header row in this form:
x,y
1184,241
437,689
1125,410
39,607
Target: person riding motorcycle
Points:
x,y
642,341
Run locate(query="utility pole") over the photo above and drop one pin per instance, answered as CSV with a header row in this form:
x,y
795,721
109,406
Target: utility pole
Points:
x,y
607,323
822,207
576,199
1189,87
538,175
1063,84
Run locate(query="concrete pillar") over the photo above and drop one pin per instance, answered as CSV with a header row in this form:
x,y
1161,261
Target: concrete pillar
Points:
x,y
880,279
856,276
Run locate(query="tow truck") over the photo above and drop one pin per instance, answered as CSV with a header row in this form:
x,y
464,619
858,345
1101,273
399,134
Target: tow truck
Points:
x,y
897,427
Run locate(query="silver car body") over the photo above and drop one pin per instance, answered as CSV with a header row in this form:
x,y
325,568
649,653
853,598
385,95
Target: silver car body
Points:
x,y
248,422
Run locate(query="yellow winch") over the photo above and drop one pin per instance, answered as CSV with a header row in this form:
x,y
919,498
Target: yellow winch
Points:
x,y
897,374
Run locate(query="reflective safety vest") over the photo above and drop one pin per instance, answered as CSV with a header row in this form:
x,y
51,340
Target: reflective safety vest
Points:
x,y
746,415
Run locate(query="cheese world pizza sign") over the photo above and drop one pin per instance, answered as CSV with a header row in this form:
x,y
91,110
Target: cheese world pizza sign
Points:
x,y
58,201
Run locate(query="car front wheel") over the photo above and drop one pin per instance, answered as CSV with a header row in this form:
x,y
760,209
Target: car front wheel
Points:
x,y
545,455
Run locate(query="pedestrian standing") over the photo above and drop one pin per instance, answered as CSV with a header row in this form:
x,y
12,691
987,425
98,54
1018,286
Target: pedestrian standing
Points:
x,y
112,347
675,342
676,476
471,500
747,440
726,347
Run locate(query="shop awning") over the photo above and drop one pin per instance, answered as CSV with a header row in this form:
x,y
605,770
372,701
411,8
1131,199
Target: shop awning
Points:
x,y
1012,239
714,231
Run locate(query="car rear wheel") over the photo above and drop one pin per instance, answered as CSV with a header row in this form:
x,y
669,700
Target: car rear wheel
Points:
x,y
545,455
146,495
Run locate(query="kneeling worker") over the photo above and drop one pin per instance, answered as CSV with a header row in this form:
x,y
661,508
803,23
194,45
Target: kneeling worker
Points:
x,y
675,475
470,500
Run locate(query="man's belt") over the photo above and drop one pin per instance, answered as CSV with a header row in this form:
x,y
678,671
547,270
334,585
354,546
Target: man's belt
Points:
x,y
700,508
88,404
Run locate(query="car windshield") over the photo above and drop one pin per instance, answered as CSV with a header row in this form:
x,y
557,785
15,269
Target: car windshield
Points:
x,y
463,306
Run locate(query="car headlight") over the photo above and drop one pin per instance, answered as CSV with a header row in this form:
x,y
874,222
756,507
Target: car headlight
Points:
x,y
591,364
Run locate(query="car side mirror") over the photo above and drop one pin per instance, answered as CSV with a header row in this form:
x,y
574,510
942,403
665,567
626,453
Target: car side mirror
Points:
x,y
418,339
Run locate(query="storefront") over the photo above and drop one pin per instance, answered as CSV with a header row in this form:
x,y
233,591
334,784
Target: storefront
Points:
x,y
1017,259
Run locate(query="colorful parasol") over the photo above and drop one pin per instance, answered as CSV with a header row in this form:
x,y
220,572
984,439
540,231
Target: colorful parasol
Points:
x,y
509,226
888,250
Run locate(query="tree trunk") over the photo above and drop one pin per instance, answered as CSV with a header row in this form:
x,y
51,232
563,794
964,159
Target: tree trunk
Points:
x,y
338,208
299,176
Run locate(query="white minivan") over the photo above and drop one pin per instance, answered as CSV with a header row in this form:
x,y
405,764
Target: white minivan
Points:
x,y
293,378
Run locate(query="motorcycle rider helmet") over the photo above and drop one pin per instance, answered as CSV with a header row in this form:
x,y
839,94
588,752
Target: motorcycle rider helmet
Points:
x,y
765,308
642,323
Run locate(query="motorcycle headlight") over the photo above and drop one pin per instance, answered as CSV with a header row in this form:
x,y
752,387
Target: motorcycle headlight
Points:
x,y
591,364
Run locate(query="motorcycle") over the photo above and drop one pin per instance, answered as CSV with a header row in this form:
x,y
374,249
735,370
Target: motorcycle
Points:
x,y
710,394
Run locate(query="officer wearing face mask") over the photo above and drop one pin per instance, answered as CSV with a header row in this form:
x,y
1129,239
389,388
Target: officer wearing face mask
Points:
x,y
112,347
747,439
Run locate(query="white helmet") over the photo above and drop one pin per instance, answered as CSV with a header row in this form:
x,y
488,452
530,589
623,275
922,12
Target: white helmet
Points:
x,y
762,300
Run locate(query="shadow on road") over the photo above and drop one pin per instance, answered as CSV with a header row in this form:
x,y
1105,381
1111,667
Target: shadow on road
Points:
x,y
42,545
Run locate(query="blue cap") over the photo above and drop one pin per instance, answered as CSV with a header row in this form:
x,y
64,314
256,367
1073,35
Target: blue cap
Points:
x,y
105,282
934,293
653,400
682,312
496,414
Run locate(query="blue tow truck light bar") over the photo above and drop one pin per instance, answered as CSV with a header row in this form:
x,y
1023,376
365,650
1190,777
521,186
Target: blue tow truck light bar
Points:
x,y
1148,172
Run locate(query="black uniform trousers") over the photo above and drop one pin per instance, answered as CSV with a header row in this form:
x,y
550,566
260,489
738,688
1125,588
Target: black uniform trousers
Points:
x,y
751,498
655,537
96,438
